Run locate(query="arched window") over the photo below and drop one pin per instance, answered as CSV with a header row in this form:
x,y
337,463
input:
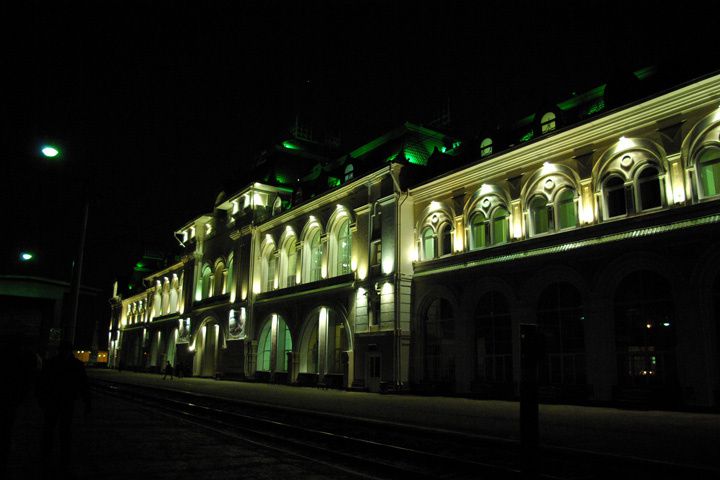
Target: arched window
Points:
x,y
428,244
264,353
645,331
313,263
541,218
272,266
268,267
206,286
560,324
349,171
277,206
493,340
614,194
288,263
220,278
486,147
500,231
344,247
445,246
566,209
547,123
230,272
708,166
440,342
478,231
648,185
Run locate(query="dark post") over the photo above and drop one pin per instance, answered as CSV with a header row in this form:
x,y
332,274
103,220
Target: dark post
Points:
x,y
529,430
69,331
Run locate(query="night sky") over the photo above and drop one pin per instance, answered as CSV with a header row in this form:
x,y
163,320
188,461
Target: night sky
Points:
x,y
158,106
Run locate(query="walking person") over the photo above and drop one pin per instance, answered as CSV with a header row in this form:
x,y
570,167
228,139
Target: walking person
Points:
x,y
168,371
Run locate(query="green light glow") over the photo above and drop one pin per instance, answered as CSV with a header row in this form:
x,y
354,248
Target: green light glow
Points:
x,y
281,179
49,151
596,107
644,73
527,137
139,265
333,182
26,256
290,145
588,96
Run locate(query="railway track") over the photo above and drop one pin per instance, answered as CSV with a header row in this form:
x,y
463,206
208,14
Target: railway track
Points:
x,y
382,450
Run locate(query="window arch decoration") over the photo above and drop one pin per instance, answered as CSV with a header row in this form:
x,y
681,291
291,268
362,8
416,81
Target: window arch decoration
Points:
x,y
268,264
287,258
312,251
630,177
700,152
219,277
486,216
339,241
436,231
550,199
349,172
206,282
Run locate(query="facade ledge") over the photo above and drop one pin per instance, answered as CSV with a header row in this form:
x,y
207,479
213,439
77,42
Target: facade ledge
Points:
x,y
334,284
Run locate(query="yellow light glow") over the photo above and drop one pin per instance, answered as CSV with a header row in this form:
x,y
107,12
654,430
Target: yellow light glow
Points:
x,y
459,236
387,265
677,182
243,295
625,143
435,206
353,264
297,278
387,288
548,168
362,273
413,255
256,288
323,271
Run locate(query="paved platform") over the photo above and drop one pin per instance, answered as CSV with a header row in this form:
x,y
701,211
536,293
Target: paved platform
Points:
x,y
121,440
679,437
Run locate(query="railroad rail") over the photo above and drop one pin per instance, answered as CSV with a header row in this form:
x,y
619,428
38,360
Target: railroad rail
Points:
x,y
385,450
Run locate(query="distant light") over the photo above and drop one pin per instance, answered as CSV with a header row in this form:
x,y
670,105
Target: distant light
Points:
x,y
666,324
648,325
50,151
26,256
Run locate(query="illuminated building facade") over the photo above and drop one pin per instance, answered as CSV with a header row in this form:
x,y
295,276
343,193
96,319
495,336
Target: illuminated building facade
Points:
x,y
418,273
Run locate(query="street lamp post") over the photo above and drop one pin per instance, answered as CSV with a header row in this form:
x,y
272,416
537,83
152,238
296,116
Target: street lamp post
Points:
x,y
68,334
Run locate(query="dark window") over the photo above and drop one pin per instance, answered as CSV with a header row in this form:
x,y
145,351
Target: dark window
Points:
x,y
649,187
614,190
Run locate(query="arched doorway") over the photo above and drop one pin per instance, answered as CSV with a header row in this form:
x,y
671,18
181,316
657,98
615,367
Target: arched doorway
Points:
x,y
274,345
493,346
323,348
439,334
560,325
645,337
207,340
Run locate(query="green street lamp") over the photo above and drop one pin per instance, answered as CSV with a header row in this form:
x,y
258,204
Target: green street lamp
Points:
x,y
49,151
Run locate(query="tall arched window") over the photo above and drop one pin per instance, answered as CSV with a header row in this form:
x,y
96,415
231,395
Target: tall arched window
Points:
x,y
500,226
230,272
560,324
645,331
264,353
445,246
478,231
313,263
566,209
493,340
206,287
288,263
541,218
428,244
648,185
268,267
708,166
344,247
440,342
614,194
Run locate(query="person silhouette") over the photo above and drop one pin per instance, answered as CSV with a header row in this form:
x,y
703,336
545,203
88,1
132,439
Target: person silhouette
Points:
x,y
62,379
168,371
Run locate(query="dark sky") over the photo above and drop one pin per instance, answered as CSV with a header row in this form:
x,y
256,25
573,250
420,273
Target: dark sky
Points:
x,y
157,104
